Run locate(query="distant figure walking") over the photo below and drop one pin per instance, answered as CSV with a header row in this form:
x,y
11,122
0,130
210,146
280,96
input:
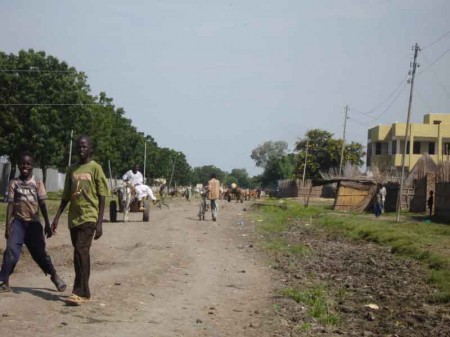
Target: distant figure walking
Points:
x,y
213,195
430,203
383,194
377,202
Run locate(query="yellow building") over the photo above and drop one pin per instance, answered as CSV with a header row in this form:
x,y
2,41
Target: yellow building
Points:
x,y
386,143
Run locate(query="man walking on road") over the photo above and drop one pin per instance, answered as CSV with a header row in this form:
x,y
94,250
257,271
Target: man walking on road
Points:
x,y
213,195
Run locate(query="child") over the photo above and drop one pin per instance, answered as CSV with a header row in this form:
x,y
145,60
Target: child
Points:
x,y
85,188
430,202
26,196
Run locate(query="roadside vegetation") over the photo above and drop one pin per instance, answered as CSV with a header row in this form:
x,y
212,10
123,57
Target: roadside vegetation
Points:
x,y
414,237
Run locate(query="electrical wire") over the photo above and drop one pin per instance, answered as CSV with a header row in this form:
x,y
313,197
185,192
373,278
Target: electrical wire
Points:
x,y
432,63
436,76
402,82
392,103
357,121
50,104
35,71
438,40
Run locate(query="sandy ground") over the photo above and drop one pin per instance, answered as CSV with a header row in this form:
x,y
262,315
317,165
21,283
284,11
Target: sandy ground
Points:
x,y
172,276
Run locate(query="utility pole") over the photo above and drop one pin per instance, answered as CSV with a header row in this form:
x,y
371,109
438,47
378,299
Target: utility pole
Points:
x,y
414,65
70,147
343,141
145,158
306,157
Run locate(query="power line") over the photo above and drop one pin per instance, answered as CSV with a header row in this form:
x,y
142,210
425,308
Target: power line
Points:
x,y
382,103
438,40
436,76
357,121
392,103
432,63
35,70
49,104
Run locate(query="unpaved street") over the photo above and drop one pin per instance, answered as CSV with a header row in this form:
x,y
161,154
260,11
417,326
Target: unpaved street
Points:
x,y
173,276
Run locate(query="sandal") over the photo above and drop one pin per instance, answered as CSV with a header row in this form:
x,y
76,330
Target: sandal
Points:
x,y
76,300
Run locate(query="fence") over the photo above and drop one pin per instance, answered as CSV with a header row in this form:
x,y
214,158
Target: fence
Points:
x,y
295,188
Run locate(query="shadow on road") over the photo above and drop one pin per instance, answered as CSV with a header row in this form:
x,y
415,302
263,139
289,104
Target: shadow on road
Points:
x,y
44,293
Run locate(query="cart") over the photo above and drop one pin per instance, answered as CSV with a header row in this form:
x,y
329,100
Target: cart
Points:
x,y
118,205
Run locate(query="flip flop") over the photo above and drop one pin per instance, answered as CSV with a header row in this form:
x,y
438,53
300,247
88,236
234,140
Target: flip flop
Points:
x,y
75,300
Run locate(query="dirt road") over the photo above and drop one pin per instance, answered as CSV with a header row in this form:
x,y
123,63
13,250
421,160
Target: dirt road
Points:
x,y
173,276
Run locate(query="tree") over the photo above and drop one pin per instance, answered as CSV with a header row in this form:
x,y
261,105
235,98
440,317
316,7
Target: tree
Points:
x,y
241,176
324,153
202,174
40,94
43,100
268,151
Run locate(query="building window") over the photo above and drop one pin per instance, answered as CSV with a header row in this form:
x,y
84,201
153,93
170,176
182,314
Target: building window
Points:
x,y
416,148
377,148
431,148
394,147
402,146
446,148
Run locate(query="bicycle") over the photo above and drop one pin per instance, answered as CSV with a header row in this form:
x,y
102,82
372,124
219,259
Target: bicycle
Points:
x,y
203,205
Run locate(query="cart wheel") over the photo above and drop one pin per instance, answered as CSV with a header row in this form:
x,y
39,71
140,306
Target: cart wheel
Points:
x,y
146,215
113,211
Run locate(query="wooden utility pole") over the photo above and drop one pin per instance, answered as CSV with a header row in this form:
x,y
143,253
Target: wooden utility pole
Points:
x,y
145,158
343,141
414,65
304,168
70,148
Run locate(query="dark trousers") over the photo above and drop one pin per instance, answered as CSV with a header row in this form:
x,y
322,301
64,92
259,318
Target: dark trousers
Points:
x,y
32,235
81,237
377,209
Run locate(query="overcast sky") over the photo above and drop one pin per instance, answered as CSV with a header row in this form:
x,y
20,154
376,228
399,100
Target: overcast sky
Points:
x,y
214,78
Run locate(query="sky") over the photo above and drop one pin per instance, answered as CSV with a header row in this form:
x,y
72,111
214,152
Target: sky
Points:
x,y
215,79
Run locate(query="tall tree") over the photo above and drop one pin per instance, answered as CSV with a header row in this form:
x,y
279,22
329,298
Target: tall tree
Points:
x,y
202,174
241,176
40,93
324,153
269,151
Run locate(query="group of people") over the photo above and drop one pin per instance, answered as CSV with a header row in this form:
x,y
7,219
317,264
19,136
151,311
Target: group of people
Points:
x,y
380,199
85,190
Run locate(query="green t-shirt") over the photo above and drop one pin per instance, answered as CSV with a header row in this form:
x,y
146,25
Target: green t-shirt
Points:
x,y
82,187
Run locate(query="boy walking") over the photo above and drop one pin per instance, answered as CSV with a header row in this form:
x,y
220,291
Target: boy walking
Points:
x,y
85,188
26,196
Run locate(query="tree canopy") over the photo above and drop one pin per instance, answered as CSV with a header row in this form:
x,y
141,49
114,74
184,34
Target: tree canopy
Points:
x,y
324,153
268,151
43,99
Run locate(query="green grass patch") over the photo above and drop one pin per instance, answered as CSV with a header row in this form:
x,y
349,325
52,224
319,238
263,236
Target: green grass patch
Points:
x,y
316,299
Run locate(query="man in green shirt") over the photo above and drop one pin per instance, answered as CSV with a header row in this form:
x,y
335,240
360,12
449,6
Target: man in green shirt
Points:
x,y
85,188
